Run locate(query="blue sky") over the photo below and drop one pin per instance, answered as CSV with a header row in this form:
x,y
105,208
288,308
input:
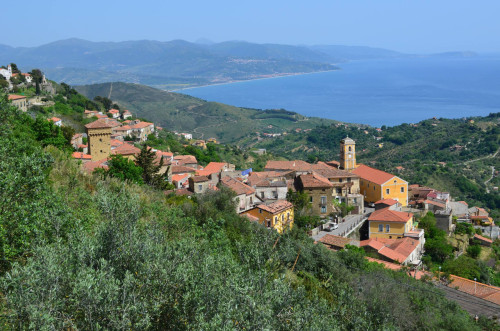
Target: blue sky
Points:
x,y
418,26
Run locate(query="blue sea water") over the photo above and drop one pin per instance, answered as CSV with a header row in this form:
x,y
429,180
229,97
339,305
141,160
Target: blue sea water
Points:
x,y
376,92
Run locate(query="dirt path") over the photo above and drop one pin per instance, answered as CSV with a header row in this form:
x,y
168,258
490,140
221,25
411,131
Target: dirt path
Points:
x,y
484,157
492,175
110,90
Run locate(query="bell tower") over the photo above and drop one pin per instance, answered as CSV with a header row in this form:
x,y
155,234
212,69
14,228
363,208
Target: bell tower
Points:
x,y
347,154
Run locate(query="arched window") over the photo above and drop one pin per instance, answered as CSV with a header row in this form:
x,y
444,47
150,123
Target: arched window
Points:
x,y
350,149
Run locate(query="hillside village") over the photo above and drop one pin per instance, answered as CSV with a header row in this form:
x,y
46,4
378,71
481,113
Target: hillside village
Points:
x,y
351,204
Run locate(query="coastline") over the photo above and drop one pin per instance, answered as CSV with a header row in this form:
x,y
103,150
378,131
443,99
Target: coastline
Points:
x,y
252,79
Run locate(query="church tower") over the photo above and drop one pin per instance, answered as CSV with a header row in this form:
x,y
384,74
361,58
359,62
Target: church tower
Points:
x,y
99,139
347,154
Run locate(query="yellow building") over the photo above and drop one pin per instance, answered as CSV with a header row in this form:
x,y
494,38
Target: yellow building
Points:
x,y
377,185
389,224
99,139
277,215
347,154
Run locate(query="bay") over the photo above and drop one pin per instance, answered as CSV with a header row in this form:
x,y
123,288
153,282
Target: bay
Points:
x,y
376,92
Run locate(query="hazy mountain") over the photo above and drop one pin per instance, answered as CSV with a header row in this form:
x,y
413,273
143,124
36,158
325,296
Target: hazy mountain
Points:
x,y
163,63
339,53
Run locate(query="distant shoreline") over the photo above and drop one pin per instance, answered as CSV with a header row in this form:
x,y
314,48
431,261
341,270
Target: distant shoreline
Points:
x,y
253,79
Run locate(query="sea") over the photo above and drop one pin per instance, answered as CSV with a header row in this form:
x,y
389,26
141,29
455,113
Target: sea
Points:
x,y
376,92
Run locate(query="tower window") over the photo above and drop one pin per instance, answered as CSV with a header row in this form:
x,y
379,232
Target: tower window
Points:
x,y
350,149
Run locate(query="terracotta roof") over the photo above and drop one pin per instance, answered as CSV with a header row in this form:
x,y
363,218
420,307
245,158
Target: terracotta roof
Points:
x,y
214,167
476,236
54,119
165,154
90,111
276,207
336,241
200,179
126,149
80,155
178,178
99,124
438,204
114,111
237,186
314,181
373,175
395,249
387,215
123,128
375,244
16,97
298,165
116,142
486,292
388,202
182,169
89,167
269,183
186,159
330,172
141,125
250,217
77,135
101,116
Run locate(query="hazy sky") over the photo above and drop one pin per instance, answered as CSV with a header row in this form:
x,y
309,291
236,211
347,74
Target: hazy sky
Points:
x,y
418,26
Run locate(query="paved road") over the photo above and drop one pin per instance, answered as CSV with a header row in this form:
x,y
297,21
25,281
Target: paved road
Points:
x,y
470,303
347,224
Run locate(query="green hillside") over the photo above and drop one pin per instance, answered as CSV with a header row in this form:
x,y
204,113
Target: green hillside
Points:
x,y
179,112
84,252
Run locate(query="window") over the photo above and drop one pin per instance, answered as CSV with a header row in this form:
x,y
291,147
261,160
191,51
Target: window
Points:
x,y
355,201
100,139
287,216
340,180
339,190
348,179
395,181
282,218
350,149
374,188
387,228
275,219
323,200
310,199
268,223
323,210
380,228
262,194
387,191
402,190
200,187
260,211
368,185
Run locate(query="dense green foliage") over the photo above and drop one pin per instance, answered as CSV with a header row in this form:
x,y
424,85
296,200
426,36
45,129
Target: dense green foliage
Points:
x,y
82,252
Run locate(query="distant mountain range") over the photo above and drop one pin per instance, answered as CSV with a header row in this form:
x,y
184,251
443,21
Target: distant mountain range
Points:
x,y
178,63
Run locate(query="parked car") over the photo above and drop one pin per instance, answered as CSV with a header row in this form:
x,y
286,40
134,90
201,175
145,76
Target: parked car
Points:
x,y
330,227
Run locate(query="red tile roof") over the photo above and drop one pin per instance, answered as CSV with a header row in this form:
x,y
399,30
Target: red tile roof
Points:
x,y
200,179
178,178
373,175
16,97
388,202
336,241
394,249
141,125
486,292
182,170
214,167
54,119
80,155
114,111
387,215
237,186
476,236
314,181
276,207
126,149
298,165
89,167
99,124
